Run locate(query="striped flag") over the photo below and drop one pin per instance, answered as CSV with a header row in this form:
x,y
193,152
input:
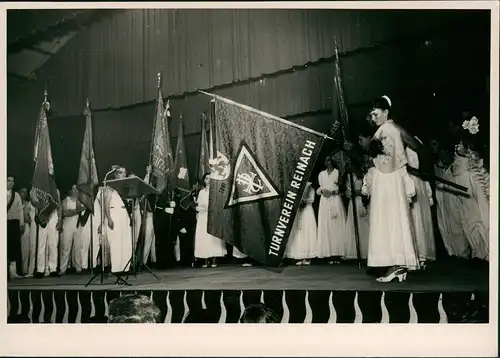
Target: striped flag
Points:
x,y
161,152
87,175
204,154
43,183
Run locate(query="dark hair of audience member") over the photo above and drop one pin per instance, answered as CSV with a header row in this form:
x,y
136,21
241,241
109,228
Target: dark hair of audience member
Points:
x,y
133,308
258,313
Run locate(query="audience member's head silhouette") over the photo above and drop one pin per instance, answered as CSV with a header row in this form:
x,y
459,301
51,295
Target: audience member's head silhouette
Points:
x,y
133,308
258,313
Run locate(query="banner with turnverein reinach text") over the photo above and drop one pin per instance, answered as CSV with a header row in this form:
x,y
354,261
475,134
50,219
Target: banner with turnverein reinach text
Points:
x,y
258,174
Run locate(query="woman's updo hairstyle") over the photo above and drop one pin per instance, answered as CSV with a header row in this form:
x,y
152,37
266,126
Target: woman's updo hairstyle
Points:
x,y
383,103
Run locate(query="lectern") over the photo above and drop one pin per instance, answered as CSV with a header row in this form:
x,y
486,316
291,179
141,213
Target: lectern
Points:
x,y
133,188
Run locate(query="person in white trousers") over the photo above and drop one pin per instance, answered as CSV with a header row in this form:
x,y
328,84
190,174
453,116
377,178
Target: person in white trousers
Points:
x,y
31,213
15,228
48,241
70,243
88,235
149,230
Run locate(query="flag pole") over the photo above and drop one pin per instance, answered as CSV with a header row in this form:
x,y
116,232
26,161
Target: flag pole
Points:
x,y
87,108
345,120
35,160
146,202
158,86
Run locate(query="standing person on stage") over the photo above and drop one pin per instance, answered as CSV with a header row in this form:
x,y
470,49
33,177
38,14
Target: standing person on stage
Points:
x,y
303,242
149,241
471,212
25,238
391,190
457,246
331,214
84,233
206,246
147,204
118,231
48,240
15,228
32,252
70,244
363,218
185,224
421,214
162,220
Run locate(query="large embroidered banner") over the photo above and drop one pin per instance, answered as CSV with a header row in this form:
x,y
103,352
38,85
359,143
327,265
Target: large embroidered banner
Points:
x,y
259,171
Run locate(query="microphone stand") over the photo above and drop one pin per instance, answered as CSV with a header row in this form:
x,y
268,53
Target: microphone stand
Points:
x,y
101,248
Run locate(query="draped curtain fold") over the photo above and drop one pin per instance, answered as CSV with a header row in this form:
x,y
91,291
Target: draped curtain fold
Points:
x,y
116,60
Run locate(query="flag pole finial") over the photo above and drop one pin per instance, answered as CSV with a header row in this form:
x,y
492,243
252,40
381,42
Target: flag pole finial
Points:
x,y
46,104
336,45
159,79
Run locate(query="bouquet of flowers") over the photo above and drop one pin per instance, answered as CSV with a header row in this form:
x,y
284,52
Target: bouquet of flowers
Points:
x,y
376,148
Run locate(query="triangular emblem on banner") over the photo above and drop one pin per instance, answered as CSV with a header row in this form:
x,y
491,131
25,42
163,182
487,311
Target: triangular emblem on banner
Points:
x,y
250,181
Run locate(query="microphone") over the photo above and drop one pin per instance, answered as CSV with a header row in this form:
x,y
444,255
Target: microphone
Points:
x,y
113,169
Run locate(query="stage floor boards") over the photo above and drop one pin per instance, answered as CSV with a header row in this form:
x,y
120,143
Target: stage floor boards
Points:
x,y
440,277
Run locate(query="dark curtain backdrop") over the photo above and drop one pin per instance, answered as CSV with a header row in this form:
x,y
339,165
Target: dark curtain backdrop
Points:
x,y
116,60
430,78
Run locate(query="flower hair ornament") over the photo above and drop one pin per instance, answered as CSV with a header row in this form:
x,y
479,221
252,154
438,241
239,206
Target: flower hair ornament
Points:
x,y
472,125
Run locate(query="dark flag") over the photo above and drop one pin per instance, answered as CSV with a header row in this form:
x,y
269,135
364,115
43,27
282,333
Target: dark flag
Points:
x,y
261,166
203,166
87,175
181,168
162,161
43,183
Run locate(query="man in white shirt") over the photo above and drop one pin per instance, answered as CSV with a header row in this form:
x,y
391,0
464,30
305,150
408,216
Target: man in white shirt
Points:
x,y
70,244
47,254
15,228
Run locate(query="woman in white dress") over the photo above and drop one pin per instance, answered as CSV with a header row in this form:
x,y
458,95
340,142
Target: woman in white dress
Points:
x,y
472,210
363,220
421,214
331,215
206,246
303,242
391,190
449,222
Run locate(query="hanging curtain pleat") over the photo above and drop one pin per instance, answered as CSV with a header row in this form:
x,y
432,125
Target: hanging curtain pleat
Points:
x,y
118,58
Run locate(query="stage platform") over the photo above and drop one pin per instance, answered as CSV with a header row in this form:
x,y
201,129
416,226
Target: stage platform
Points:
x,y
448,292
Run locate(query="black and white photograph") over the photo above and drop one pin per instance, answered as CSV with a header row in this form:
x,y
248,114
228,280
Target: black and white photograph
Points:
x,y
323,165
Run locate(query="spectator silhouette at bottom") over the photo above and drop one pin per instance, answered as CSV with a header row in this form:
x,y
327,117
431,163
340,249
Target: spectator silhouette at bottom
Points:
x,y
258,313
133,308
